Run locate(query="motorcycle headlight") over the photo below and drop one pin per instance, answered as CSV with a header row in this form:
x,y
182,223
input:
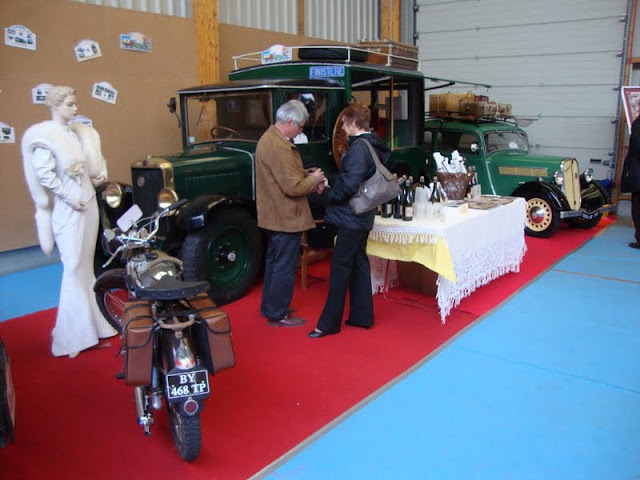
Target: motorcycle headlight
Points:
x,y
113,195
558,177
588,175
167,197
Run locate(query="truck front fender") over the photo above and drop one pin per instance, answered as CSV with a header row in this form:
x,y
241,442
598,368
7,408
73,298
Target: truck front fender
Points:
x,y
195,214
553,192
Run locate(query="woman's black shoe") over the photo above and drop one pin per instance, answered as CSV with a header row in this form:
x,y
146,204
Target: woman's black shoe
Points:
x,y
317,333
351,324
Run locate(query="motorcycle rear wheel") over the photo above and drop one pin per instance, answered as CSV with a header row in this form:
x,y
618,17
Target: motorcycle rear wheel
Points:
x,y
186,432
111,295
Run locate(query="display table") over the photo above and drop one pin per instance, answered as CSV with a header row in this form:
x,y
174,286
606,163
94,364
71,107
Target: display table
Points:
x,y
466,250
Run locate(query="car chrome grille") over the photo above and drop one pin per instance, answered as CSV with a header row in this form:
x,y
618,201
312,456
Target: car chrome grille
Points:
x,y
146,183
571,185
524,171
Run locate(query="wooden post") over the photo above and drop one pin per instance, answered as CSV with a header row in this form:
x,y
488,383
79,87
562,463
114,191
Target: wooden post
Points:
x,y
300,17
390,20
205,14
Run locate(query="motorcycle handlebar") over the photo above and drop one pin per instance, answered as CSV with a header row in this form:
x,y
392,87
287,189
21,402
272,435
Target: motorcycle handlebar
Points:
x,y
178,204
154,221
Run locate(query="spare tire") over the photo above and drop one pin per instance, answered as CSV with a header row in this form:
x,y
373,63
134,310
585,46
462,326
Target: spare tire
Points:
x,y
332,53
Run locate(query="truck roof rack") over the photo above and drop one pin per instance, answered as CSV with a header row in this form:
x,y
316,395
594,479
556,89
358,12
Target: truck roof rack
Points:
x,y
366,52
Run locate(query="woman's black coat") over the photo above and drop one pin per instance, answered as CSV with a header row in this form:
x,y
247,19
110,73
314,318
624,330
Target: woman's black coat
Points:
x,y
357,166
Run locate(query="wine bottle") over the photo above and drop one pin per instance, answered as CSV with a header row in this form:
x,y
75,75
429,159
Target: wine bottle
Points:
x,y
435,191
407,204
470,189
387,209
397,202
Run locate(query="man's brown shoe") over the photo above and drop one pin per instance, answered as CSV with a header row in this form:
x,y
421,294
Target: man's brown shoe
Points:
x,y
634,244
288,321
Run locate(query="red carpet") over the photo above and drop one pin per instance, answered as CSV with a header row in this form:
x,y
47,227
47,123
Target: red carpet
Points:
x,y
76,421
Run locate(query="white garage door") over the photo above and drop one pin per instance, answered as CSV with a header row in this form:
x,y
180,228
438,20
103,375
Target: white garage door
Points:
x,y
558,61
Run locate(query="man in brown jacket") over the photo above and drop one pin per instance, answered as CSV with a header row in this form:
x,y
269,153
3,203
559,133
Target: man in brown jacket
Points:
x,y
282,186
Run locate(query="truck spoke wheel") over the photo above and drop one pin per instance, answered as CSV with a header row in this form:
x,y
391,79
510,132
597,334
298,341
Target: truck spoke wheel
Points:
x,y
542,219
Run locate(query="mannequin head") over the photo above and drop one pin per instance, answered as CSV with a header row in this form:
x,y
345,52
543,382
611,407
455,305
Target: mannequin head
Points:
x,y
61,101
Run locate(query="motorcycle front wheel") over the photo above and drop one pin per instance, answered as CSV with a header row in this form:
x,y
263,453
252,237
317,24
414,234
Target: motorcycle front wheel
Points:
x,y
186,432
111,295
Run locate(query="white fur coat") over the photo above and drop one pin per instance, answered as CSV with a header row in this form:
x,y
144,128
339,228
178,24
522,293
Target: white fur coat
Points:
x,y
74,157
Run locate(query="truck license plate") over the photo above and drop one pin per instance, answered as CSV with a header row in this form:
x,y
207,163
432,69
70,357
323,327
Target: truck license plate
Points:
x,y
188,384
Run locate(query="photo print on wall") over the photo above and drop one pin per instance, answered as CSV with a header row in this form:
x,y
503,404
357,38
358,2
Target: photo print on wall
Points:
x,y
39,93
19,36
135,41
87,50
104,91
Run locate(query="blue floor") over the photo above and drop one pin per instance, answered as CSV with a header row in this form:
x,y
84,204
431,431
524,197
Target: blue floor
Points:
x,y
545,387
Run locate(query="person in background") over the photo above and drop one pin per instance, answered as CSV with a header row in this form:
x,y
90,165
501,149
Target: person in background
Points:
x,y
350,268
63,163
282,186
630,180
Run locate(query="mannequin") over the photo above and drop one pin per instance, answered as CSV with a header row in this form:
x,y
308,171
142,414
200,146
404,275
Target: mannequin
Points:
x,y
62,164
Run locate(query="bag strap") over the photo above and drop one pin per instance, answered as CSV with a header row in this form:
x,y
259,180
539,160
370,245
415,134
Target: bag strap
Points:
x,y
376,159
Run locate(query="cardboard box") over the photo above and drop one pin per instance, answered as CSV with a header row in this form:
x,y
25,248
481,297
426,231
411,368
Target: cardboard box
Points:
x,y
417,277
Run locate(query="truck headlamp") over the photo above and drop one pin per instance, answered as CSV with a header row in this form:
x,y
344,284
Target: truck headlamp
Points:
x,y
588,175
113,194
558,177
167,197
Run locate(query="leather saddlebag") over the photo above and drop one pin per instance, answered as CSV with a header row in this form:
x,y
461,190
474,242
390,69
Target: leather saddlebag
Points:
x,y
212,335
137,341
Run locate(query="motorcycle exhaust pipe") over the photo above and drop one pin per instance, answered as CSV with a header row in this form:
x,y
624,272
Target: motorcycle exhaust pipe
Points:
x,y
144,419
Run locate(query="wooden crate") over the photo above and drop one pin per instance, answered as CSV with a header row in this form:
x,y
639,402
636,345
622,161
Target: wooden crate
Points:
x,y
394,54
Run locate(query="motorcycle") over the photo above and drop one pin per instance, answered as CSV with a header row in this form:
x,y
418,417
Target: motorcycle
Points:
x,y
173,335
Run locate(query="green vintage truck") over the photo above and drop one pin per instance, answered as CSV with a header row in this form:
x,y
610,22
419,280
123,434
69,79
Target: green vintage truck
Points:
x,y
215,233
554,187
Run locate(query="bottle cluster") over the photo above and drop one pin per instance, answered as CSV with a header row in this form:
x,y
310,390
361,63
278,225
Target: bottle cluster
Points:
x,y
414,199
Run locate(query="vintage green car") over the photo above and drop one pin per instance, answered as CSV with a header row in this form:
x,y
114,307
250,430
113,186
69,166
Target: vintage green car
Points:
x,y
554,188
216,233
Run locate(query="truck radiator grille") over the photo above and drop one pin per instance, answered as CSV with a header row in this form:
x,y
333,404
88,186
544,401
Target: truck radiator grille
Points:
x,y
571,186
524,171
146,183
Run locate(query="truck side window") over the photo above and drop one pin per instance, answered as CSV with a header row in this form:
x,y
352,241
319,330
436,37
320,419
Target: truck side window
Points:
x,y
464,144
316,103
449,142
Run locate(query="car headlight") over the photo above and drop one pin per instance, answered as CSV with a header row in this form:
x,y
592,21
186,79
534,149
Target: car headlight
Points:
x,y
113,194
588,175
166,197
558,177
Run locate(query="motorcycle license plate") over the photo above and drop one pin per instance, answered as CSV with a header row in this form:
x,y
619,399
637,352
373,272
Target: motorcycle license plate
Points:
x,y
183,385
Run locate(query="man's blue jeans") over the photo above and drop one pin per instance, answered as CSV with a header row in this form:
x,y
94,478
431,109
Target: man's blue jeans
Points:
x,y
283,253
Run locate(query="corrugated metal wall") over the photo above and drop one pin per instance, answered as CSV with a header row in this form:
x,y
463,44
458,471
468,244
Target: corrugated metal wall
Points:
x,y
555,60
329,19
178,8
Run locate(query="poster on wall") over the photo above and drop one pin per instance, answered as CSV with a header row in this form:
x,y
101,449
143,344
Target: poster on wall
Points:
x,y
87,50
104,91
7,133
631,101
83,120
19,36
136,41
39,93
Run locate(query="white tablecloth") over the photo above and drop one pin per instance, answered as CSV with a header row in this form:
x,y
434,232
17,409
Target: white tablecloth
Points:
x,y
482,245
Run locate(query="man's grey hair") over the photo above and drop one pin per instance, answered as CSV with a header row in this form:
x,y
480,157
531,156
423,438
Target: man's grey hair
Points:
x,y
293,110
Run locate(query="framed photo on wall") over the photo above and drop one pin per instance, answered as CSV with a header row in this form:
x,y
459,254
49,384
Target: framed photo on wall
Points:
x,y
631,101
